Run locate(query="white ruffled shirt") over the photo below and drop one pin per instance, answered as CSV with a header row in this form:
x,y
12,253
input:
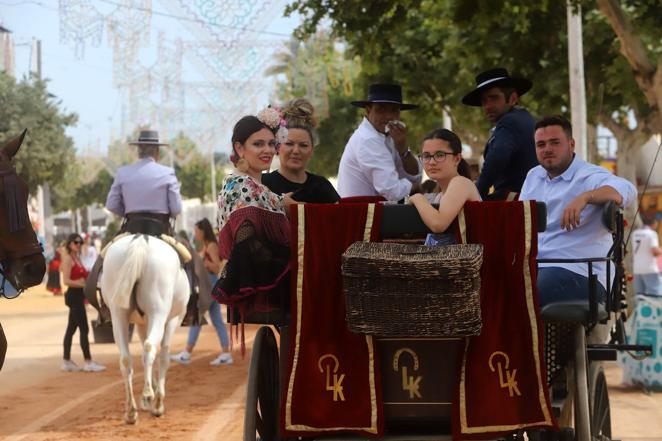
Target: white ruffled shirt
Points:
x,y
371,166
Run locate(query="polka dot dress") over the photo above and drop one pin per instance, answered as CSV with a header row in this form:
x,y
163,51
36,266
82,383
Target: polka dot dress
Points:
x,y
241,191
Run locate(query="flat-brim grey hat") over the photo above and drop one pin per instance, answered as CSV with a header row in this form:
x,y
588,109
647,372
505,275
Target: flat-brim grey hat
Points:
x,y
148,137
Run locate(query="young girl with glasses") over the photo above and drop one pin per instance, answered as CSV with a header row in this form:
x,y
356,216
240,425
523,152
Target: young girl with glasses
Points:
x,y
441,156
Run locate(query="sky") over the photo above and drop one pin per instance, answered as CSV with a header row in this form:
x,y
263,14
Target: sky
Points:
x,y
83,81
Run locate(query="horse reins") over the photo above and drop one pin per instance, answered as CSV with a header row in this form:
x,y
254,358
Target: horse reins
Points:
x,y
17,220
16,217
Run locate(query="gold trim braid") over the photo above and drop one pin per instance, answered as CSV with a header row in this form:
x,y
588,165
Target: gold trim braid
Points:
x,y
301,230
528,283
463,225
535,344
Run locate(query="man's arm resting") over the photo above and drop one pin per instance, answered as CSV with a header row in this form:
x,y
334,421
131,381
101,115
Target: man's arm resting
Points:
x,y
599,196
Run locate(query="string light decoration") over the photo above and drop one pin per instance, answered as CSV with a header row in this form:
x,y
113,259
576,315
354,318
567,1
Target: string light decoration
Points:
x,y
199,86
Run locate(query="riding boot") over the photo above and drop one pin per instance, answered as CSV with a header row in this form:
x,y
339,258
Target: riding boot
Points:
x,y
194,315
90,288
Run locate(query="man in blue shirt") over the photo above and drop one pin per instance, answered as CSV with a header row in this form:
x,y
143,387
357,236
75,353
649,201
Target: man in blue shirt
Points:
x,y
574,192
509,153
146,189
146,194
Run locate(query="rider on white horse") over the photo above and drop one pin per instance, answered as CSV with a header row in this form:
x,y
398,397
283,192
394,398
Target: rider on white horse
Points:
x,y
146,189
142,274
146,194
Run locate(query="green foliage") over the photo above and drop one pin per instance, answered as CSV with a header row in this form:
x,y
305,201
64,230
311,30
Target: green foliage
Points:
x,y
193,169
316,69
334,132
47,154
434,48
94,192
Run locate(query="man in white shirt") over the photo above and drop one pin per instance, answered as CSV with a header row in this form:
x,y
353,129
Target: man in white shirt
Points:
x,y
574,192
376,160
645,249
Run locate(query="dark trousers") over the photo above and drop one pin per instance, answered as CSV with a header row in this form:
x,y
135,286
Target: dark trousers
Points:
x,y
77,320
557,284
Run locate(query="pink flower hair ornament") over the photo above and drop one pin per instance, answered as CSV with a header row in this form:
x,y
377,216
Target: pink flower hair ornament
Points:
x,y
273,118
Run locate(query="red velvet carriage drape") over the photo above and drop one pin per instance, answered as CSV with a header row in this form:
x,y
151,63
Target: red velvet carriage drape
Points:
x,y
333,383
502,385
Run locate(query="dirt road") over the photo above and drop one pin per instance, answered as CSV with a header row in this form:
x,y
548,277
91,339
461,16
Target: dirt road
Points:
x,y
40,402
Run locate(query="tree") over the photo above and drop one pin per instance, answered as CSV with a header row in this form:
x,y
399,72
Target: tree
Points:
x,y
636,32
48,153
193,169
316,69
93,192
434,49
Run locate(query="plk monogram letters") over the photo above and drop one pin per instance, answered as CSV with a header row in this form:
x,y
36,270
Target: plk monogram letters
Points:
x,y
409,383
502,363
335,387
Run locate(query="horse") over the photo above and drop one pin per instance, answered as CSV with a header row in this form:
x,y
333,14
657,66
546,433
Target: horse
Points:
x,y
142,280
22,262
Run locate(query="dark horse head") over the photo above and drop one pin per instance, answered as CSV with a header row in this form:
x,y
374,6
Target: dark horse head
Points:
x,y
21,256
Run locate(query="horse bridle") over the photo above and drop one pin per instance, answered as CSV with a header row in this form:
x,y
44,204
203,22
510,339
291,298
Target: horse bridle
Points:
x,y
16,220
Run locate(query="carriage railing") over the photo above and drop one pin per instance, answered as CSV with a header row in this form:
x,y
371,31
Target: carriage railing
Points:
x,y
615,301
402,221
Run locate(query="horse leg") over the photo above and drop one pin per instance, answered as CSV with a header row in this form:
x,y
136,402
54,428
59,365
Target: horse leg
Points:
x,y
164,361
121,334
155,329
148,394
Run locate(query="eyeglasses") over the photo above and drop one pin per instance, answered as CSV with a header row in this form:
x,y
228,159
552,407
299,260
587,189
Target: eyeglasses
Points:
x,y
439,156
78,242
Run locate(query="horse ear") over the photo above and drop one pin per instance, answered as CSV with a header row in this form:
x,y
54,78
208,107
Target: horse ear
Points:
x,y
12,146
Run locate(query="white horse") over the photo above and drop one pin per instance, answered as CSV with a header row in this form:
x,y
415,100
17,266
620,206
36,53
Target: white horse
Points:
x,y
153,268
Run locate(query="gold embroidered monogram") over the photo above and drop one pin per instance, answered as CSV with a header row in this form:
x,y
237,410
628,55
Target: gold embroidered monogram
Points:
x,y
502,364
336,387
409,383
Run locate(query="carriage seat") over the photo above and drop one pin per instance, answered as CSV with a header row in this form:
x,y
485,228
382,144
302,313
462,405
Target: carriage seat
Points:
x,y
572,311
579,311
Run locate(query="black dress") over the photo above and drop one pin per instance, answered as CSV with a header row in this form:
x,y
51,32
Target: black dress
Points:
x,y
317,189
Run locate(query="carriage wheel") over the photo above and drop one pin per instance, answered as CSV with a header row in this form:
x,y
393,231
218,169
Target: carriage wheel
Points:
x,y
261,415
3,347
599,399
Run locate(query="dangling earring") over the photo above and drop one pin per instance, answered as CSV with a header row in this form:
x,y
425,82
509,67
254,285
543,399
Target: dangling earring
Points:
x,y
242,165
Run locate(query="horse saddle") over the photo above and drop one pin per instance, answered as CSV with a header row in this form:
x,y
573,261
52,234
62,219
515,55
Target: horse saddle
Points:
x,y
182,252
146,225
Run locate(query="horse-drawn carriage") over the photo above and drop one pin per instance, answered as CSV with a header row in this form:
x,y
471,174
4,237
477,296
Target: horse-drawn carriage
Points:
x,y
419,376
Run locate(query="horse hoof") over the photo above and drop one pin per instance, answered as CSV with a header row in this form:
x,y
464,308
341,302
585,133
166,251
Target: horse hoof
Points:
x,y
131,417
146,403
158,409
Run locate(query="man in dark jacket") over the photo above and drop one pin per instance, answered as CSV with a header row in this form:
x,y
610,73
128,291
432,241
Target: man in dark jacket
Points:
x,y
510,151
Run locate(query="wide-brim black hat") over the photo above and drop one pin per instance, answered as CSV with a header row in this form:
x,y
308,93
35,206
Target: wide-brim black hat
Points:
x,y
492,78
148,137
385,93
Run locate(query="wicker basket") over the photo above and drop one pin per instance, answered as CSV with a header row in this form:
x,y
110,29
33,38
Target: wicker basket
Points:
x,y
397,290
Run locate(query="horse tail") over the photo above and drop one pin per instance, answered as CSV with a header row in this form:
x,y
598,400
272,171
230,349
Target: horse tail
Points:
x,y
133,264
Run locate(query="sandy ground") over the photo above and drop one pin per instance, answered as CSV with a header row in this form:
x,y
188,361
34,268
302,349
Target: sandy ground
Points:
x,y
40,402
